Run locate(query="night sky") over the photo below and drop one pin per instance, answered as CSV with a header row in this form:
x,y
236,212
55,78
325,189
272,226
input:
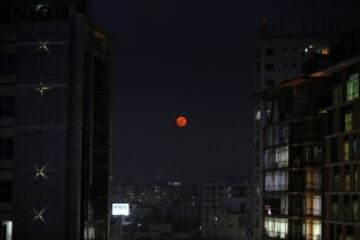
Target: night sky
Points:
x,y
194,58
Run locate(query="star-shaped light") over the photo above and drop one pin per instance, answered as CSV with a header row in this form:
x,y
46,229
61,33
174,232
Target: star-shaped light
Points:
x,y
42,88
43,45
38,215
40,172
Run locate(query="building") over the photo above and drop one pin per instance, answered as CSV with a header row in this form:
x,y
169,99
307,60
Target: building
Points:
x,y
310,150
54,122
292,169
231,199
161,202
226,224
281,56
341,136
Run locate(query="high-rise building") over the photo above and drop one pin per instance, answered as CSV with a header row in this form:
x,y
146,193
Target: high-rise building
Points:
x,y
341,141
54,122
281,55
292,194
310,149
279,58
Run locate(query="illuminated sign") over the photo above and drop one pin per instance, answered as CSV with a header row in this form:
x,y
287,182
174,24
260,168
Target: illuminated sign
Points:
x,y
120,209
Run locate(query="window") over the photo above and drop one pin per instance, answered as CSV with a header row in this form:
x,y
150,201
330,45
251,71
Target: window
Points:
x,y
6,230
313,180
312,229
269,51
269,82
355,209
346,151
334,207
356,177
276,227
258,115
269,67
6,148
313,205
354,147
7,64
348,121
277,158
5,191
336,173
352,87
347,179
337,94
6,106
276,181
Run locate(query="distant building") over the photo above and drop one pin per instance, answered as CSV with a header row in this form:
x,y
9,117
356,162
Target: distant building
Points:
x,y
225,198
161,202
226,224
54,122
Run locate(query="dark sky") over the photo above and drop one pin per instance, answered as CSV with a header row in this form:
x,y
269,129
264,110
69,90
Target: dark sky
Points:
x,y
194,58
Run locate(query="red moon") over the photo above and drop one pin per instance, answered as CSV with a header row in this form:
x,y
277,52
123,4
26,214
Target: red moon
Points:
x,y
181,121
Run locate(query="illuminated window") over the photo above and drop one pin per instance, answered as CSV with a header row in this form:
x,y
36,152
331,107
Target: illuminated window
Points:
x,y
7,64
277,158
352,87
258,115
337,94
325,51
276,181
313,205
348,121
313,154
276,227
282,157
6,228
312,229
355,209
313,180
6,148
346,151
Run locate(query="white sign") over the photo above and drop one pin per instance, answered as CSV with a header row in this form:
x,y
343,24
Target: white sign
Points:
x,y
120,209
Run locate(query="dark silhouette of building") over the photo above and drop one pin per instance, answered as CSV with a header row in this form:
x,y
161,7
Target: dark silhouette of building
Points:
x,y
54,122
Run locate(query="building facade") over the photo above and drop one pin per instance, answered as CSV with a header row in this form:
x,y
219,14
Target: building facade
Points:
x,y
55,127
293,148
341,136
229,198
279,58
310,150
